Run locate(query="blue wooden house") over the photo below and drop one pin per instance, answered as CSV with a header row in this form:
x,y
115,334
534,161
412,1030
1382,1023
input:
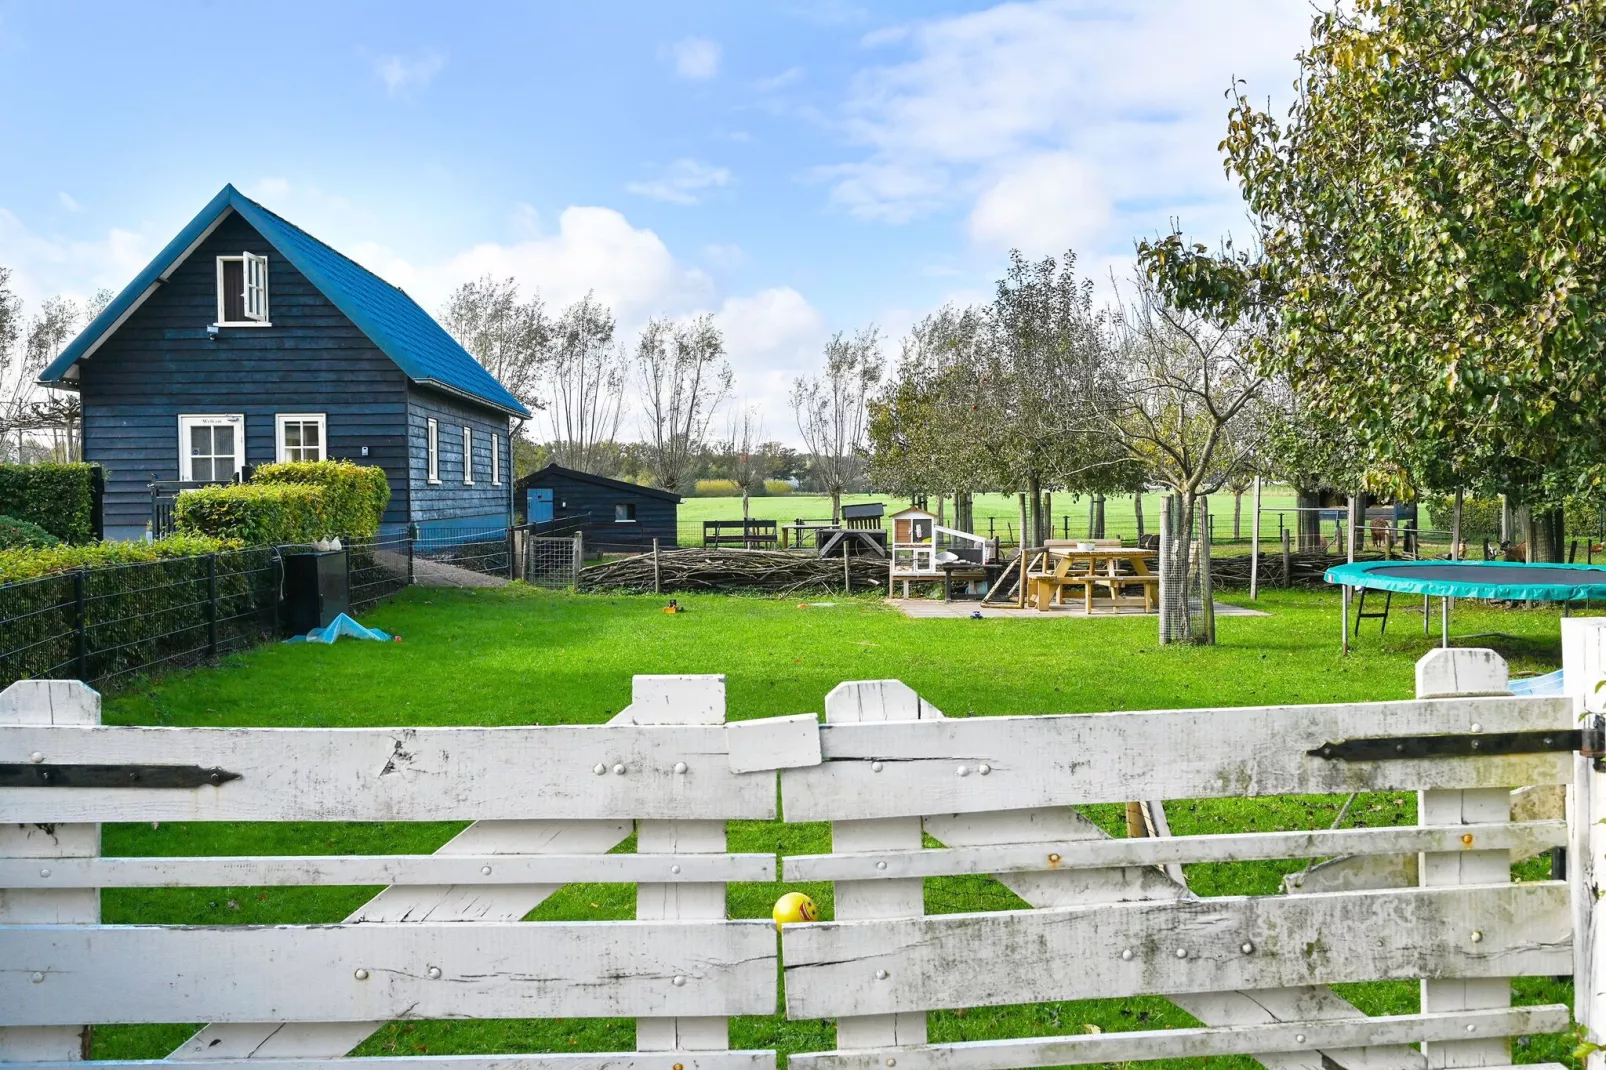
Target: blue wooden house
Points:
x,y
248,341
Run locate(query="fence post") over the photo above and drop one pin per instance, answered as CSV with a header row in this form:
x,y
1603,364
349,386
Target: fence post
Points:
x,y
511,575
412,538
1254,546
211,602
657,577
579,559
48,702
1444,674
1207,590
1583,656
1288,561
80,623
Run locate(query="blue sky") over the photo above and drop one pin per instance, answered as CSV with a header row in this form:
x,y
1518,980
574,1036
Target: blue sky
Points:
x,y
794,168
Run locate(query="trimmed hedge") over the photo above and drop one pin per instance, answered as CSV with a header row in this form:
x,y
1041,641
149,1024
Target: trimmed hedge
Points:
x,y
255,514
144,604
20,534
355,495
58,497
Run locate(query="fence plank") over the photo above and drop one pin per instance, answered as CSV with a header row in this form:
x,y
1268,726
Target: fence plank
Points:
x,y
1010,957
1144,1045
862,702
1527,837
469,870
711,1060
401,774
376,972
1464,671
681,700
979,764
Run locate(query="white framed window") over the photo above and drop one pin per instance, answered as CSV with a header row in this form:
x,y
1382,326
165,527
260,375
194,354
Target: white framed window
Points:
x,y
211,447
434,451
242,291
468,457
299,436
624,513
496,460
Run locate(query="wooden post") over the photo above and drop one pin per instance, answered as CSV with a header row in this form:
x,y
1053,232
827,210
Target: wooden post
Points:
x,y
1254,546
657,576
1207,589
1445,673
1023,522
847,572
1583,656
49,702
579,560
1168,553
1288,561
878,700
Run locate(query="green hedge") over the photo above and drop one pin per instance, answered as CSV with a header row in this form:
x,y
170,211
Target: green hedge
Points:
x,y
58,497
19,534
255,514
355,495
144,604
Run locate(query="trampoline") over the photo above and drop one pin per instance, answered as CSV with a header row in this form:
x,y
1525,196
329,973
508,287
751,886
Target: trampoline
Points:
x,y
1497,580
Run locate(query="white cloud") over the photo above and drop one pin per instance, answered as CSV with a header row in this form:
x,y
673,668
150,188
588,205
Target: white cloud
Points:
x,y
724,255
1043,205
991,108
404,74
683,182
695,58
265,189
47,265
69,202
787,77
772,337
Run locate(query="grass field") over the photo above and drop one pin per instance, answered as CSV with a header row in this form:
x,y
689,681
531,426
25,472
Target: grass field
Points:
x,y
995,513
516,656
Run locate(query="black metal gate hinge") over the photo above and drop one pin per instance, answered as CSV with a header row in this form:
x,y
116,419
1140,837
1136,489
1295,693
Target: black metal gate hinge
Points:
x,y
1590,741
38,775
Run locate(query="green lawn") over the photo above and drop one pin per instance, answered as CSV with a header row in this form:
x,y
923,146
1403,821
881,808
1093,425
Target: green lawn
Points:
x,y
517,656
1001,510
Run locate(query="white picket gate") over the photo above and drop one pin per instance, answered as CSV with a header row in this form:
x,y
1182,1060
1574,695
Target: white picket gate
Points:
x,y
1108,917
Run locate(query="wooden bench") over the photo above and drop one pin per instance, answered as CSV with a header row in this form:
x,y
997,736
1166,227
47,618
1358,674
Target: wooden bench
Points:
x,y
752,534
1148,581
1046,588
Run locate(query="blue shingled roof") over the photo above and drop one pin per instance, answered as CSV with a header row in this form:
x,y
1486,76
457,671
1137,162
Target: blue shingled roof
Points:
x,y
405,333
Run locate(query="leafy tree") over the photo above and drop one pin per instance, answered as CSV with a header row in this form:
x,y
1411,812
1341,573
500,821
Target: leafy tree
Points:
x,y
683,376
584,377
509,336
831,410
1431,224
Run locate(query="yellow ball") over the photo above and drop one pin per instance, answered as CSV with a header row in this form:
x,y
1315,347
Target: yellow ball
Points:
x,y
793,907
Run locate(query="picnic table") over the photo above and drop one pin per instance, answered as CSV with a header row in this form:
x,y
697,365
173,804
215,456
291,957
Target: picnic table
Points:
x,y
1113,567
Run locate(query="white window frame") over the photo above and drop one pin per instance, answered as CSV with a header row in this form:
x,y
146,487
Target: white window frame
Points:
x,y
468,456
281,452
628,506
226,419
434,451
496,460
254,276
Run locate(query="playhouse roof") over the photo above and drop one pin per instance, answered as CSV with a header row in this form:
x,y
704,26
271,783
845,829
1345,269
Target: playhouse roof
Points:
x,y
912,511
394,322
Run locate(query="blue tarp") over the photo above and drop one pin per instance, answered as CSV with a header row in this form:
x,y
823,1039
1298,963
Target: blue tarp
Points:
x,y
341,625
1507,580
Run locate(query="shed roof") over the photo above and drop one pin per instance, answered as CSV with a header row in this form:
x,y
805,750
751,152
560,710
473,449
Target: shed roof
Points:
x,y
394,322
534,479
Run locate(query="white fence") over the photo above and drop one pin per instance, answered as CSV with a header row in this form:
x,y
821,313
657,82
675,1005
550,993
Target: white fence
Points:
x,y
1108,917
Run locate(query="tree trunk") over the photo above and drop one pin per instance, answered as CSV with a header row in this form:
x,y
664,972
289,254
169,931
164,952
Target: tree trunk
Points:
x,y
836,505
1549,535
745,505
1098,516
1177,560
1237,514
1137,511
1024,515
1308,519
1034,496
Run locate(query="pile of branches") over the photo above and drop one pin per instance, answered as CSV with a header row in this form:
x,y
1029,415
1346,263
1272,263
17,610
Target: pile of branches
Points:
x,y
1306,568
767,571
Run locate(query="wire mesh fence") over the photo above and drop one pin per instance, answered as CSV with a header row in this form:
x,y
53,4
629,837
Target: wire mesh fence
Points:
x,y
101,624
378,568
483,550
551,561
1186,611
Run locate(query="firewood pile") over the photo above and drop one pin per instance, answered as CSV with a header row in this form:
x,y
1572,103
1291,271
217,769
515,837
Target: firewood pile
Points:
x,y
711,569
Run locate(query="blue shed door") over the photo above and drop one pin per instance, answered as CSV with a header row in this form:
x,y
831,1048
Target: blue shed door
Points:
x,y
538,506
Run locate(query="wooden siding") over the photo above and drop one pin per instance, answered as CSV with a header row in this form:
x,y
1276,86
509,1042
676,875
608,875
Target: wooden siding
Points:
x,y
161,363
450,498
571,497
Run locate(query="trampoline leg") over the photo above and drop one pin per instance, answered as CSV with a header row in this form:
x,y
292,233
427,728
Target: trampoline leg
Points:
x,y
1427,606
1343,620
1445,602
1360,610
1388,600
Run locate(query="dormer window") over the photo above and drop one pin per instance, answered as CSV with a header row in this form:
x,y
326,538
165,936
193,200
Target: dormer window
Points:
x,y
242,291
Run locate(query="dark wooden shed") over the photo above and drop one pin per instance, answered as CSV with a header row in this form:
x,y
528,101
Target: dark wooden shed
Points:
x,y
611,513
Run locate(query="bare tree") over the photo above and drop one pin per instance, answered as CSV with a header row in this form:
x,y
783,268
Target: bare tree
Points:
x,y
508,336
745,452
683,377
47,334
831,410
585,384
1179,396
